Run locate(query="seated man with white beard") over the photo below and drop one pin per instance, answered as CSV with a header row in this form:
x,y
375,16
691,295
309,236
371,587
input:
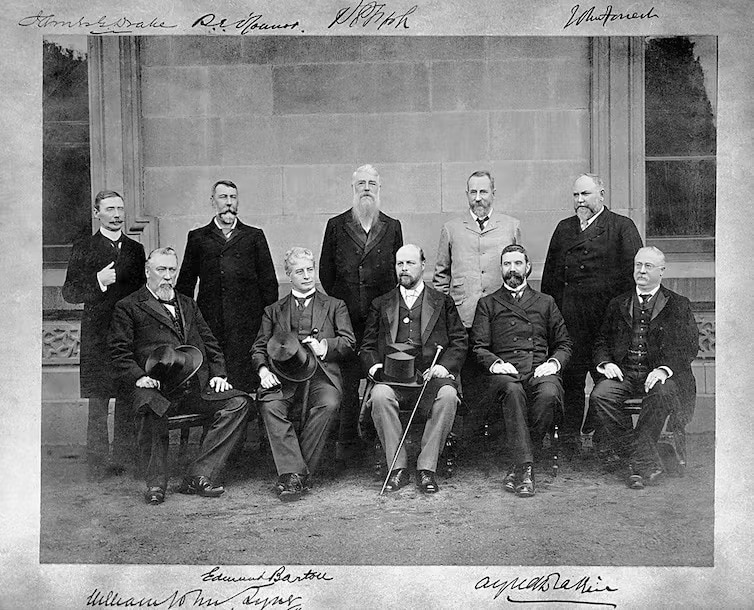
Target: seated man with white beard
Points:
x,y
520,340
153,332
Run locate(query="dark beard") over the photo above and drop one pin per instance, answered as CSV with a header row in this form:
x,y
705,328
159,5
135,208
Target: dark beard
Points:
x,y
513,279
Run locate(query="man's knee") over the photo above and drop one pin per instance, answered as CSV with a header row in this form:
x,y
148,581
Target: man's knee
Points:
x,y
665,390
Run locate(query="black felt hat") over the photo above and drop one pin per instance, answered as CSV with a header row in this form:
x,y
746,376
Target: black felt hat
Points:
x,y
173,366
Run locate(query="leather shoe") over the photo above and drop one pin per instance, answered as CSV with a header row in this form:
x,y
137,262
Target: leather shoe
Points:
x,y
509,482
427,482
154,495
398,478
525,486
636,481
200,486
289,486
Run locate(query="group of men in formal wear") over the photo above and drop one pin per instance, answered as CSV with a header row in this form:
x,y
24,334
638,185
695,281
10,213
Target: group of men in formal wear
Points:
x,y
480,333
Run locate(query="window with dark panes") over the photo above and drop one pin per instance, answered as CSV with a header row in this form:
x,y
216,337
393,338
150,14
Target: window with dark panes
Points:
x,y
681,137
66,179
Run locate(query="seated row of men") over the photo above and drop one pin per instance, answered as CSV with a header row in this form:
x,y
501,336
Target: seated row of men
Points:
x,y
413,350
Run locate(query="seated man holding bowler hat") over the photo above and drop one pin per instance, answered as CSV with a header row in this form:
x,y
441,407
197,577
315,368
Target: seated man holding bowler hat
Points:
x,y
404,329
297,353
166,357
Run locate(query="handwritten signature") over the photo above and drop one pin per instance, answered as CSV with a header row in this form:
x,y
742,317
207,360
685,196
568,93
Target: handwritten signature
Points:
x,y
250,595
253,22
103,25
371,12
588,15
553,581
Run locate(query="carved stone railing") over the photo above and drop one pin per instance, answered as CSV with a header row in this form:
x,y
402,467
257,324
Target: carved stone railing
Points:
x,y
61,342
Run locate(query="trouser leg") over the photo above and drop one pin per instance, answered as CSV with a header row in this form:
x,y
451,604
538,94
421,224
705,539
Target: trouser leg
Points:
x,y
348,431
97,441
123,432
614,422
384,405
284,442
324,400
153,442
510,394
438,426
656,406
545,395
224,432
574,382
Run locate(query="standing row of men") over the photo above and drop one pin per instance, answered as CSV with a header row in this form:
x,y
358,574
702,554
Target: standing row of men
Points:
x,y
517,336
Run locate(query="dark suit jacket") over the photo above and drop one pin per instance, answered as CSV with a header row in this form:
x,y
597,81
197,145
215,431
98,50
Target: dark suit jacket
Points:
x,y
440,325
525,333
330,316
585,269
140,324
358,269
90,254
236,282
672,341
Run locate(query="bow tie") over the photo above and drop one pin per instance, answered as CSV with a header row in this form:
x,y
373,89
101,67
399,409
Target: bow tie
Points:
x,y
173,301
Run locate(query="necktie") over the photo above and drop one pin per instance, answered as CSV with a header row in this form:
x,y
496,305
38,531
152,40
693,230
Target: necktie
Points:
x,y
481,222
644,298
300,302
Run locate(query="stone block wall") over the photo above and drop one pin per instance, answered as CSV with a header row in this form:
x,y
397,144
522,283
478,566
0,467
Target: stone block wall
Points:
x,y
289,119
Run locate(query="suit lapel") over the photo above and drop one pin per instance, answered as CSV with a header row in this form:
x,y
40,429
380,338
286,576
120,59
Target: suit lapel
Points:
x,y
662,300
215,233
319,311
238,234
373,237
596,228
150,305
354,231
627,308
502,297
430,313
391,312
182,307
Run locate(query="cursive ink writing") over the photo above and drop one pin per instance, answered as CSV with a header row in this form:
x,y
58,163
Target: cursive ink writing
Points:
x,y
245,25
250,596
371,12
103,25
553,581
588,15
279,575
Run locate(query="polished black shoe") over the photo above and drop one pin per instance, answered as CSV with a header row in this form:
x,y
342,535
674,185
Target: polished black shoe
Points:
x,y
289,486
509,482
154,495
636,481
426,482
525,485
201,486
398,478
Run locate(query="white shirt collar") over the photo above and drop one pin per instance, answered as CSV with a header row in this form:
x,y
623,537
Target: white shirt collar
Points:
x,y
593,218
233,226
415,291
111,235
475,217
515,290
301,295
652,292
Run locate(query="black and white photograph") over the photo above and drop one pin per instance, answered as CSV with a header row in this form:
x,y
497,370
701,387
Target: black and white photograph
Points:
x,y
381,305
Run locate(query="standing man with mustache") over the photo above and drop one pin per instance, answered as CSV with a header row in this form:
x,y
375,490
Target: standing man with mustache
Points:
x,y
237,281
357,266
590,260
520,340
104,268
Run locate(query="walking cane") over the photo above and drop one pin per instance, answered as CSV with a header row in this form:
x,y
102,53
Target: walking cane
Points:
x,y
411,418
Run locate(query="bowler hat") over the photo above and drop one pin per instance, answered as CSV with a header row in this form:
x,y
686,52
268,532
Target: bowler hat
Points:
x,y
399,368
173,366
289,359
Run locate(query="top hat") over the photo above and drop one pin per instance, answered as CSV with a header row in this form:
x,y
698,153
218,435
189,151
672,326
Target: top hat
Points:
x,y
399,368
289,359
173,366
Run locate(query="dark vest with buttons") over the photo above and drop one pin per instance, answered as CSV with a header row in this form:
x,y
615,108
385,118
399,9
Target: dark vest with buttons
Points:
x,y
301,320
642,314
410,332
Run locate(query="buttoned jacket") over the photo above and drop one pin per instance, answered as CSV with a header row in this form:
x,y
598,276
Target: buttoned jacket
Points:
x,y
468,260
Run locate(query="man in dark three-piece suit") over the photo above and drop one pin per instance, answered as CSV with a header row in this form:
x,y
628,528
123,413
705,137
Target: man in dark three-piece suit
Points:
x,y
520,340
236,277
104,268
356,266
314,328
417,315
644,348
589,261
153,318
